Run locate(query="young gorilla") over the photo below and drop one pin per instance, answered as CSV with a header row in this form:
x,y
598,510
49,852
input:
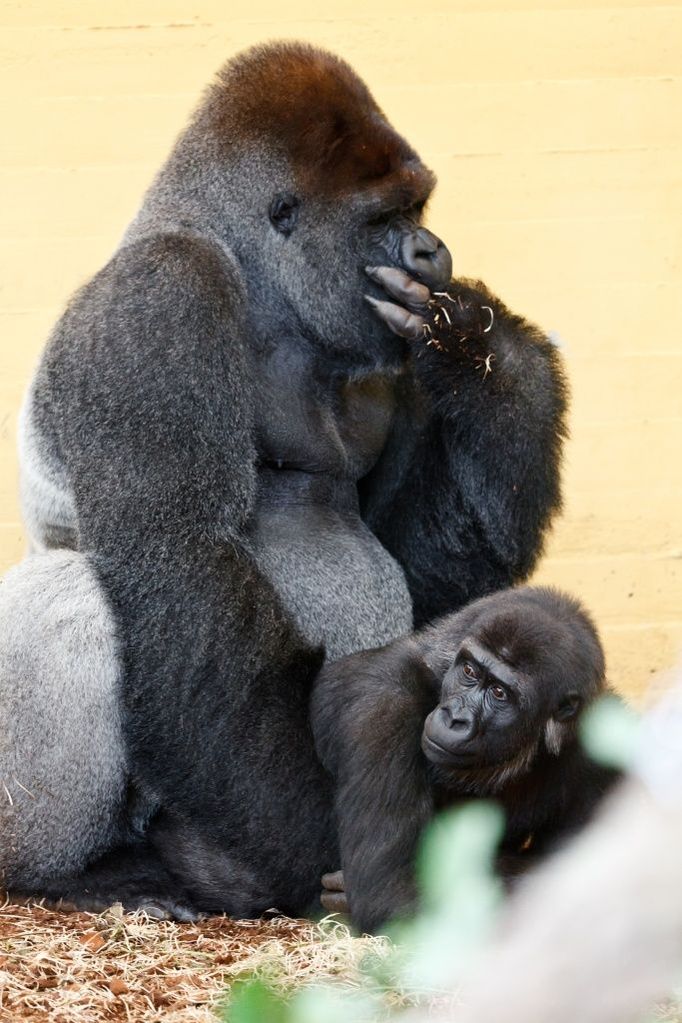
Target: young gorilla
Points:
x,y
248,465
484,703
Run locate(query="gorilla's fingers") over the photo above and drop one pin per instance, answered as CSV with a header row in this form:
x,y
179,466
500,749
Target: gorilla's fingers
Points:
x,y
334,902
400,286
403,323
167,909
334,882
333,897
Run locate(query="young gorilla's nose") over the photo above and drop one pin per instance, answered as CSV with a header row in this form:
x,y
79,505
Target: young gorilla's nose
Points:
x,y
425,257
457,719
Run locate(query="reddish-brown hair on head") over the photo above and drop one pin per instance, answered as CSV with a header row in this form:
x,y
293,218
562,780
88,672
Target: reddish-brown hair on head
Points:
x,y
313,105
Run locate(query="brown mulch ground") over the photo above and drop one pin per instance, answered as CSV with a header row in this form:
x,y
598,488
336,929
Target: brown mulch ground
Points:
x,y
78,967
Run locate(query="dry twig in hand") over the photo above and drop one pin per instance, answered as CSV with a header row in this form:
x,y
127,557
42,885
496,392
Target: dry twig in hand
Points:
x,y
486,363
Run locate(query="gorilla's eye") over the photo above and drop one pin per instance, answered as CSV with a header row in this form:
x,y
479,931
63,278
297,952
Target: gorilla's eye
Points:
x,y
416,211
284,213
469,671
382,219
499,693
385,218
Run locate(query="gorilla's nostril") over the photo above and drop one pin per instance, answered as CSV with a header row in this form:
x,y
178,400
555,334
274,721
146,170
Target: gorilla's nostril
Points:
x,y
426,244
454,720
445,714
460,723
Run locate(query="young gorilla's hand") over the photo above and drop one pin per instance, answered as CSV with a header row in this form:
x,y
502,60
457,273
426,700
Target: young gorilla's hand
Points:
x,y
333,895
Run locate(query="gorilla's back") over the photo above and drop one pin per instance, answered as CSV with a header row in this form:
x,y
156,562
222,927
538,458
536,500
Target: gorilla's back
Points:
x,y
47,502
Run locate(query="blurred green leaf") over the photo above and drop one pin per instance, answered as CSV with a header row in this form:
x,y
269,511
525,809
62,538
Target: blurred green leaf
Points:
x,y
610,731
252,1001
458,847
324,1005
460,895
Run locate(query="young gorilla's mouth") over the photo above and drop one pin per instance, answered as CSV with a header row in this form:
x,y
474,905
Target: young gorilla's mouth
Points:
x,y
457,757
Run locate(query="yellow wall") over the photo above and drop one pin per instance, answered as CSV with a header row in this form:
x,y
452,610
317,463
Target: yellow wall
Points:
x,y
556,131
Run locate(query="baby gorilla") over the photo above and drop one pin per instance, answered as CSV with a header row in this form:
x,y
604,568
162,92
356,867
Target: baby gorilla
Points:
x,y
485,703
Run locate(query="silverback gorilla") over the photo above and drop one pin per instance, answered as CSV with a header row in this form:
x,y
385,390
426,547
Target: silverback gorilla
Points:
x,y
233,464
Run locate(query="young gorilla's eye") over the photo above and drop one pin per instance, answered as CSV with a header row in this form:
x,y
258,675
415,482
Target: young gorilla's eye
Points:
x,y
499,692
469,671
284,212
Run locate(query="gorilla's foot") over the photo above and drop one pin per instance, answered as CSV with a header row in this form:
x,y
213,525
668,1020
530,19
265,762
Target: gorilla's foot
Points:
x,y
156,907
132,876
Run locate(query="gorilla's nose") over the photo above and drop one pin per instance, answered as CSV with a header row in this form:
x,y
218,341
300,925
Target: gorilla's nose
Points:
x,y
457,719
425,257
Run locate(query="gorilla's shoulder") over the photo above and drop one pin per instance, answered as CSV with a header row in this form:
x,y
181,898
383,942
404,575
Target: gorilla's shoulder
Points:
x,y
176,258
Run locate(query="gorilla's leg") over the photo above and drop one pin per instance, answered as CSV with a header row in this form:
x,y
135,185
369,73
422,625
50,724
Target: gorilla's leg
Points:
x,y
63,776
210,876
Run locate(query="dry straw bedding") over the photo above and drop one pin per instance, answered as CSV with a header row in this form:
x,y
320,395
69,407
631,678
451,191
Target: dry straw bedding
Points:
x,y
78,967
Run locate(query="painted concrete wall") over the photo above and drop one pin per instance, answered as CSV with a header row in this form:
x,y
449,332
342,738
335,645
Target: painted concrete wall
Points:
x,y
556,131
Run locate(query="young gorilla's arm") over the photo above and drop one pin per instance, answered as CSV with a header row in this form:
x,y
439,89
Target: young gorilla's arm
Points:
x,y
368,712
469,481
151,380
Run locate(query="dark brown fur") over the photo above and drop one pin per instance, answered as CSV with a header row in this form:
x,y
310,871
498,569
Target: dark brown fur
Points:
x,y
323,116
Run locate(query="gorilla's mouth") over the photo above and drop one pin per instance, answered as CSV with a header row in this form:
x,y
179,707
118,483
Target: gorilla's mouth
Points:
x,y
438,754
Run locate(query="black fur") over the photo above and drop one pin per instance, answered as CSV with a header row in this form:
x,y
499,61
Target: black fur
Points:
x,y
368,808
240,435
470,478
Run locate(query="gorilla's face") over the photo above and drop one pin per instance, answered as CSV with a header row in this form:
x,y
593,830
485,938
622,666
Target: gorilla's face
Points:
x,y
486,712
309,265
494,709
312,185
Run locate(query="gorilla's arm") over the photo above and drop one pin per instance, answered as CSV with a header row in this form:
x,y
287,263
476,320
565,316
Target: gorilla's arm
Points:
x,y
368,711
151,381
470,477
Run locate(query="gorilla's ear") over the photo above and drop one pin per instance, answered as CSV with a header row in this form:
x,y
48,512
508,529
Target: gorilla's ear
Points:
x,y
558,726
569,707
284,213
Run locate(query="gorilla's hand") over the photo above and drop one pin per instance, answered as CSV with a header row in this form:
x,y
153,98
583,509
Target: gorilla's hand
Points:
x,y
459,336
409,317
333,896
441,319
